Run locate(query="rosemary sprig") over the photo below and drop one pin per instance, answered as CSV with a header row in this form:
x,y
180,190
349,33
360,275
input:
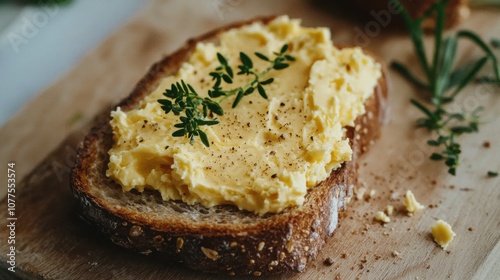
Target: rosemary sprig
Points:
x,y
443,83
182,97
495,43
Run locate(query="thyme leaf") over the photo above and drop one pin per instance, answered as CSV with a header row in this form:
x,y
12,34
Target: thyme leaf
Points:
x,y
195,111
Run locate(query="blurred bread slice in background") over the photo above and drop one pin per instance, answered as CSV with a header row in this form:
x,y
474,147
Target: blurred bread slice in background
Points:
x,y
456,11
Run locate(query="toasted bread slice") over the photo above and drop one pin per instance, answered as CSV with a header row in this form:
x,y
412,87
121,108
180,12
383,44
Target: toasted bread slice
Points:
x,y
220,239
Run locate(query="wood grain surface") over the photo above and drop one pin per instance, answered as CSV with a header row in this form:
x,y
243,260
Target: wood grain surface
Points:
x,y
53,243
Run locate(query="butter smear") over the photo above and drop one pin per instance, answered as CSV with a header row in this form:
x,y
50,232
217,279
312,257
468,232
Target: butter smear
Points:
x,y
266,153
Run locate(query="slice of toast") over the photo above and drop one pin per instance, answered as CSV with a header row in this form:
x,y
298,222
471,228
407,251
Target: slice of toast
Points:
x,y
220,239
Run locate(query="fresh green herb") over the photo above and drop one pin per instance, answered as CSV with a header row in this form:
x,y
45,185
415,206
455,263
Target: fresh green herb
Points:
x,y
444,83
492,174
487,80
495,43
184,98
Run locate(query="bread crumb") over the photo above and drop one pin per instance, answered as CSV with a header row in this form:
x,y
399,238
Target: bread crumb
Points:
x,y
394,196
360,193
412,205
372,193
382,217
328,261
442,233
395,253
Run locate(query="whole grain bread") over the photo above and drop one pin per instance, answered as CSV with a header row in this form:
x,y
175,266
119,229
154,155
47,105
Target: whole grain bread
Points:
x,y
220,239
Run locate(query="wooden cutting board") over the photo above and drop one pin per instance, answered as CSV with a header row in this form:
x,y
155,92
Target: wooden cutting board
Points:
x,y
53,243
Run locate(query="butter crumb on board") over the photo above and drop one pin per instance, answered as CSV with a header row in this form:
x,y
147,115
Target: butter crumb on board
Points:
x,y
382,217
411,203
442,233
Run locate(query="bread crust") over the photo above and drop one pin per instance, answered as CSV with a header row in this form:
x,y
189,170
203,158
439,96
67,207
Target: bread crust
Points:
x,y
221,239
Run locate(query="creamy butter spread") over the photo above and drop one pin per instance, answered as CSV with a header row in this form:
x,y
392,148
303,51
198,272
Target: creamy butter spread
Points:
x,y
265,154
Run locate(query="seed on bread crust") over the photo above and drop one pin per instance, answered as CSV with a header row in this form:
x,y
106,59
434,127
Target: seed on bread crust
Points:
x,y
158,239
179,244
282,256
289,246
211,254
261,246
135,231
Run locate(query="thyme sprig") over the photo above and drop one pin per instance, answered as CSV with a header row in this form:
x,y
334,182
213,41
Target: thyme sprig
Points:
x,y
444,83
198,111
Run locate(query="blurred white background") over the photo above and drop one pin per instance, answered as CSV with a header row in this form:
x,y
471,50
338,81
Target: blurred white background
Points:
x,y
38,44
